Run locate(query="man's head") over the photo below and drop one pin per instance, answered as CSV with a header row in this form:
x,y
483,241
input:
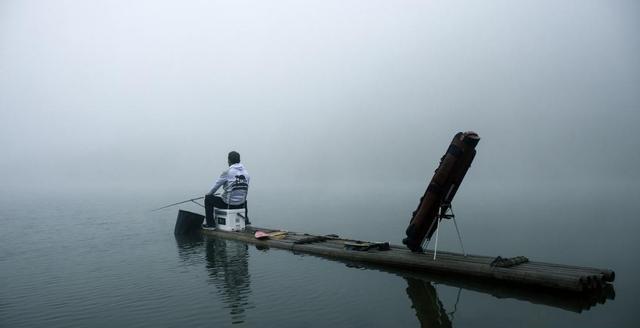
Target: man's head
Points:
x,y
234,158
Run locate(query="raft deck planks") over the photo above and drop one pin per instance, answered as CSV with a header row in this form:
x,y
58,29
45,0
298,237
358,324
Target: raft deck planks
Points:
x,y
550,275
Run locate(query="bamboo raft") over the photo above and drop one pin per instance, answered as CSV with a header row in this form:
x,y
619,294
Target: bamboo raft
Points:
x,y
434,206
421,287
529,273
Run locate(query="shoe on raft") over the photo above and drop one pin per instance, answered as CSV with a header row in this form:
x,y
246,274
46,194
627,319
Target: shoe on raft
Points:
x,y
208,227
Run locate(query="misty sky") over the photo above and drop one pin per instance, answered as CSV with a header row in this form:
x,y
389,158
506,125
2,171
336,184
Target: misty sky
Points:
x,y
153,94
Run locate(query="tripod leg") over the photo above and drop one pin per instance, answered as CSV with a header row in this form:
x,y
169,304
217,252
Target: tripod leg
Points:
x,y
425,243
435,248
459,237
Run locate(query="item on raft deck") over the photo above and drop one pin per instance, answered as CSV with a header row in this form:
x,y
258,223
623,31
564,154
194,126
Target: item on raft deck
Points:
x,y
446,180
311,239
315,239
265,235
507,262
229,219
278,234
365,246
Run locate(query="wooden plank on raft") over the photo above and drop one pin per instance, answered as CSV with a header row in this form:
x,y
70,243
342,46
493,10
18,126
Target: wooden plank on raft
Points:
x,y
549,275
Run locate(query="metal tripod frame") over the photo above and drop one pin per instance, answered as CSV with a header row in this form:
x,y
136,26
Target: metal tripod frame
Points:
x,y
444,215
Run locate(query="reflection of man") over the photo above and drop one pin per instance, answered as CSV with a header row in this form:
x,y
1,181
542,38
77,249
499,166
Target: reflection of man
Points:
x,y
228,266
227,263
235,183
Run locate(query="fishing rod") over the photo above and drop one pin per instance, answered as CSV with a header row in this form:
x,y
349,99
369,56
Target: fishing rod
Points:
x,y
178,203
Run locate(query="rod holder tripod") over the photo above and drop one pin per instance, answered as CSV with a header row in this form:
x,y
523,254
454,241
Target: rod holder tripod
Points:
x,y
446,212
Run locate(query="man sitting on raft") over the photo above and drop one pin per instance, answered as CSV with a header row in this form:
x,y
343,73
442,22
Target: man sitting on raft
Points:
x,y
235,183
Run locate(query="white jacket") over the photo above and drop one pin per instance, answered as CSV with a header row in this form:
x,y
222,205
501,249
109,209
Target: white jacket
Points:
x,y
235,182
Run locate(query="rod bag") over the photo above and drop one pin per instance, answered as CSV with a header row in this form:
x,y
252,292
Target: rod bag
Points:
x,y
442,188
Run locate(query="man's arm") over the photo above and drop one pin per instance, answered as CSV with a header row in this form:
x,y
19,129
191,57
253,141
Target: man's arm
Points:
x,y
219,182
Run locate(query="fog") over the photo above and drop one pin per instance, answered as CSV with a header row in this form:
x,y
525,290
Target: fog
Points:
x,y
151,95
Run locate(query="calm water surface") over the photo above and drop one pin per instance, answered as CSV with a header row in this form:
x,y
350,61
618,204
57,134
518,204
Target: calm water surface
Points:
x,y
105,261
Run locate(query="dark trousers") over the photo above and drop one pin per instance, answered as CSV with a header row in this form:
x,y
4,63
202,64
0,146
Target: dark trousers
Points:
x,y
211,201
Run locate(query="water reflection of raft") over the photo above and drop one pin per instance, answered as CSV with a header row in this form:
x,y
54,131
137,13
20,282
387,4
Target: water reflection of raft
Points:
x,y
509,270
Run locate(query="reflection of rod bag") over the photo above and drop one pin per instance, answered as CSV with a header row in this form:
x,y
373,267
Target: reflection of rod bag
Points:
x,y
442,188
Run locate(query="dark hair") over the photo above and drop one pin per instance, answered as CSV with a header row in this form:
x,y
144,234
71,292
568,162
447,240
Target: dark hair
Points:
x,y
234,157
